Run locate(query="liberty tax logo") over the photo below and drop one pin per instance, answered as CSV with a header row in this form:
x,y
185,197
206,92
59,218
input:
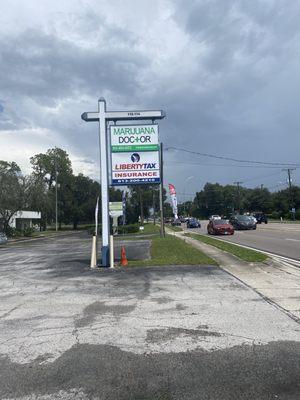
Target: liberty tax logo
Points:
x,y
135,157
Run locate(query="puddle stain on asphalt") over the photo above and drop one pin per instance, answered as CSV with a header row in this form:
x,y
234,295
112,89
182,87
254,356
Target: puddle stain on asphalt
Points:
x,y
100,308
165,335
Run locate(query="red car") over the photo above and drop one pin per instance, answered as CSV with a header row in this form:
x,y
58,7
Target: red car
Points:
x,y
219,227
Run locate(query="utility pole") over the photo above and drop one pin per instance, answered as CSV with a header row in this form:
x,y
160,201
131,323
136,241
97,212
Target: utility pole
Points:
x,y
238,186
292,210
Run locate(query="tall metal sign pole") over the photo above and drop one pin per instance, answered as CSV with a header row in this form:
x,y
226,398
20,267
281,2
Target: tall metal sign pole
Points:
x,y
102,116
161,189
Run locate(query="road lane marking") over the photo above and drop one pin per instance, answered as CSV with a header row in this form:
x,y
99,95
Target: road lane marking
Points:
x,y
294,240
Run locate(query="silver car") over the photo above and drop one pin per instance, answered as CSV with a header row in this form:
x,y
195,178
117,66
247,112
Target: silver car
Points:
x,y
3,238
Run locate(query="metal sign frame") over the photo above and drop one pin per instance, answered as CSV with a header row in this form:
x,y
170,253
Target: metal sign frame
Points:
x,y
102,116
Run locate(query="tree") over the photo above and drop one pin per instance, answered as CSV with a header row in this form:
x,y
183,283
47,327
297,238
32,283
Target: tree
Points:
x,y
13,192
83,194
55,168
55,162
143,198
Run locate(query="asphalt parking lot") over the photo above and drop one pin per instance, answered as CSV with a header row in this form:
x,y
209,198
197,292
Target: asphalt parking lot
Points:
x,y
144,333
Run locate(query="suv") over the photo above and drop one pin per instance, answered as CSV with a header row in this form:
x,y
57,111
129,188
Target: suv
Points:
x,y
261,217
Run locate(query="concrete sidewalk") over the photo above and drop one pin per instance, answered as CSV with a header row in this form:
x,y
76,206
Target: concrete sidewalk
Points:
x,y
277,282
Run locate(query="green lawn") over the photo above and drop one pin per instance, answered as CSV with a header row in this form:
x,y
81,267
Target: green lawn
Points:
x,y
173,251
238,251
150,228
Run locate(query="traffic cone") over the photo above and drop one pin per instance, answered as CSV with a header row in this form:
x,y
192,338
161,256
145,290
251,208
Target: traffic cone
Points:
x,y
124,261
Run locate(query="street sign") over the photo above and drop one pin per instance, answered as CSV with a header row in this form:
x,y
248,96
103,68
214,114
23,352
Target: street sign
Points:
x,y
124,115
130,138
135,168
116,206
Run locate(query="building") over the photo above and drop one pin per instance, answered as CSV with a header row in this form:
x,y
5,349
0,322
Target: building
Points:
x,y
22,220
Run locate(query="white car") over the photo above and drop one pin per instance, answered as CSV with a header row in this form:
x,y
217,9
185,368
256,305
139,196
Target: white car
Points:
x,y
215,217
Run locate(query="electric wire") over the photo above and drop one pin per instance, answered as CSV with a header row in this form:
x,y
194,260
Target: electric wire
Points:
x,y
230,158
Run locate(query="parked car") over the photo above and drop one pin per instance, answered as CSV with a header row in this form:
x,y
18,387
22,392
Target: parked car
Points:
x,y
182,219
3,238
212,217
176,222
261,217
193,223
219,227
253,218
240,222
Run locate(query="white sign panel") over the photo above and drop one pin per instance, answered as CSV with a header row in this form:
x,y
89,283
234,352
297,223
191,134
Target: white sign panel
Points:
x,y
135,168
134,138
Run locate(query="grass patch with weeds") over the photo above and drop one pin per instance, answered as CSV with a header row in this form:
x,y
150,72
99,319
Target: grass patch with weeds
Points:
x,y
173,251
240,252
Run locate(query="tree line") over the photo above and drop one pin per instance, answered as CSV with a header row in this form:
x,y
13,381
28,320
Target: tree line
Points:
x,y
228,199
76,194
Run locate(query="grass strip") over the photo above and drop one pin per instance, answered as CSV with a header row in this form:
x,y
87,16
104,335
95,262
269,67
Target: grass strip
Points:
x,y
240,252
173,251
174,228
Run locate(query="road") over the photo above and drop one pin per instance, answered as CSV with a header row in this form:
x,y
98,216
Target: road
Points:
x,y
176,332
278,238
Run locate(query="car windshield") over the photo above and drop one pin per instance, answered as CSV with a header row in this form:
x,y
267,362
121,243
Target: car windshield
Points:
x,y
243,217
220,221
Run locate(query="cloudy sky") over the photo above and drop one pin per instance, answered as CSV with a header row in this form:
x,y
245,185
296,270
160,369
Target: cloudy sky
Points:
x,y
225,72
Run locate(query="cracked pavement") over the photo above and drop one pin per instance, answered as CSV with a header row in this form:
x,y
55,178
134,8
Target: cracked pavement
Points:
x,y
174,332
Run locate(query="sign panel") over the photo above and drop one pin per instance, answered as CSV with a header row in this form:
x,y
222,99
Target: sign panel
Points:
x,y
115,208
135,168
130,138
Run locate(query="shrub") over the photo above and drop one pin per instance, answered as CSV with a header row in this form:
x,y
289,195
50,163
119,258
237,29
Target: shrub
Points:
x,y
28,231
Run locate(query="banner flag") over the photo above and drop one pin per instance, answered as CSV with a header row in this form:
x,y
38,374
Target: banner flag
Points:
x,y
173,199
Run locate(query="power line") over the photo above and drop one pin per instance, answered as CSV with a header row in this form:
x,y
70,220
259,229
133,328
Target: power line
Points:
x,y
223,165
261,177
230,158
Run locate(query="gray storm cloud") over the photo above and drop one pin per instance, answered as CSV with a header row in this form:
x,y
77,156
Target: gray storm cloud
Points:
x,y
225,72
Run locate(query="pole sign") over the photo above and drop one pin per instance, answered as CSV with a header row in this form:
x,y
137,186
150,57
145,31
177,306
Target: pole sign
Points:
x,y
134,154
133,137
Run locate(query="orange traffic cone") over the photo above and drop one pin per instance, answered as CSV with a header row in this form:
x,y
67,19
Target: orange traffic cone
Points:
x,y
124,261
